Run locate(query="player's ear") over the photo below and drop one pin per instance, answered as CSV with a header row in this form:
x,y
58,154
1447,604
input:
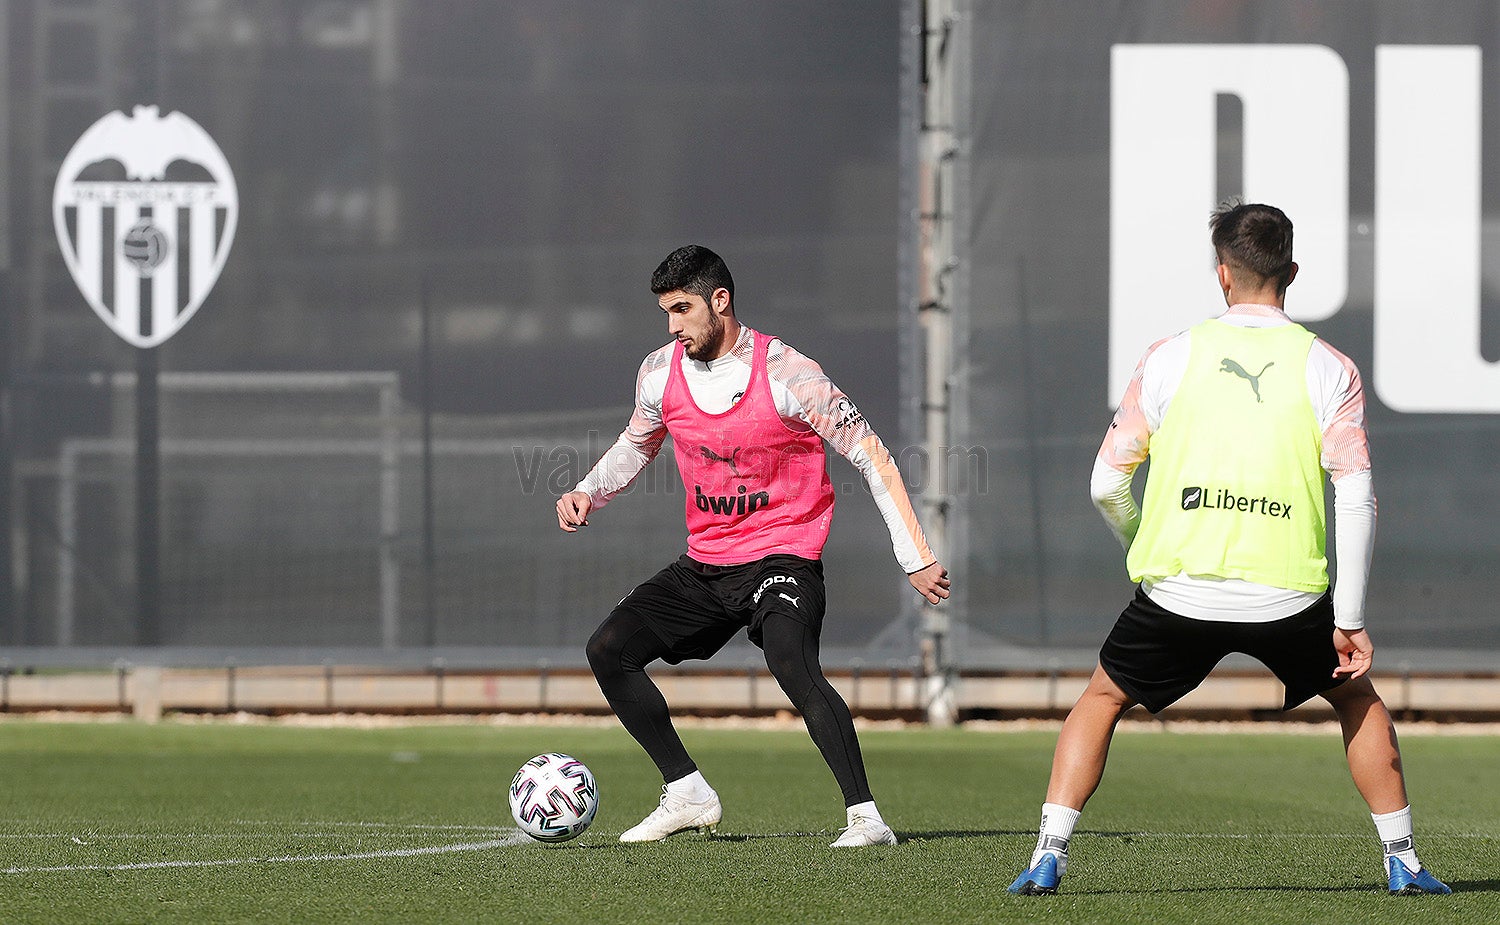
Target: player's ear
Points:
x,y
720,301
1291,275
1226,278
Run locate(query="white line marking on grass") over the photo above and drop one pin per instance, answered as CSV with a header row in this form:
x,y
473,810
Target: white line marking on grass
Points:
x,y
402,830
122,836
512,840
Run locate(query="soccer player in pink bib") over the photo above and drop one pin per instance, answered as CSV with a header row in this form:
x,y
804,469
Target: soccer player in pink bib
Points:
x,y
748,416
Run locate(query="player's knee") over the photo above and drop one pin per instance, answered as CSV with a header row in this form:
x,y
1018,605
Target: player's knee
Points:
x,y
602,659
792,671
798,688
603,649
1358,694
623,643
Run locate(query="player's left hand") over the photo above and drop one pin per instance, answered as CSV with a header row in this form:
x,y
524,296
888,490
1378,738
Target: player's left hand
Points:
x,y
932,582
1356,652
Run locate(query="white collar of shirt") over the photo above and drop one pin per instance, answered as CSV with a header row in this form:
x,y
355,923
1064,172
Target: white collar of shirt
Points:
x,y
1251,315
742,342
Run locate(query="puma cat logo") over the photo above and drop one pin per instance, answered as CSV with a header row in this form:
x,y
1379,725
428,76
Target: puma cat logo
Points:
x,y
1229,366
787,597
727,460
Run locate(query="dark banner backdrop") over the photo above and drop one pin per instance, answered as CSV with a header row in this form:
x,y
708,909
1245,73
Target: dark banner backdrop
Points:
x,y
1044,233
436,302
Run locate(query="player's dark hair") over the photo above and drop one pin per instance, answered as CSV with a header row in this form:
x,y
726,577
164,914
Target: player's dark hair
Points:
x,y
693,268
1254,237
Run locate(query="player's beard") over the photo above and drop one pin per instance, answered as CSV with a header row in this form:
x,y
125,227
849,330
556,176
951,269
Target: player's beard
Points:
x,y
706,348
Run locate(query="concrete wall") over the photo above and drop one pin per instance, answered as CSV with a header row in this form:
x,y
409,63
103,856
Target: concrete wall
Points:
x,y
148,692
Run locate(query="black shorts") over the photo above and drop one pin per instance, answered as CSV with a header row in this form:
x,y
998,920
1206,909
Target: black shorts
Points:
x,y
1157,656
697,608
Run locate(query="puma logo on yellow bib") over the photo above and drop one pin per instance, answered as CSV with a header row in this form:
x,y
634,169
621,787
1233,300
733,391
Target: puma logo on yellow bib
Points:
x,y
1229,366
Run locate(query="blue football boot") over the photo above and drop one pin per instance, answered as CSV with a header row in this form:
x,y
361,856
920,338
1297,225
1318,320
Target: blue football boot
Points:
x,y
1406,883
1042,879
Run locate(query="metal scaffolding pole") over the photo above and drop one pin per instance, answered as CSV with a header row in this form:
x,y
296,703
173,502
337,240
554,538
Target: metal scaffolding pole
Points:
x,y
9,625
938,259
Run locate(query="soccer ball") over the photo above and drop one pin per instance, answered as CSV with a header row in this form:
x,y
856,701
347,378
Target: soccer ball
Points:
x,y
144,247
553,797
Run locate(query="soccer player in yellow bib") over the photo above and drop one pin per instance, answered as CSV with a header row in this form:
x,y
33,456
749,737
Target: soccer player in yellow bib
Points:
x,y
1240,415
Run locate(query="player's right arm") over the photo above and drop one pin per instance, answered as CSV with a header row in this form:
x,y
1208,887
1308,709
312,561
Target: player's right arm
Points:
x,y
1128,441
637,445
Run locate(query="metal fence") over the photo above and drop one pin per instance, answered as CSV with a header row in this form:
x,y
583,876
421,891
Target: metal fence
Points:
x,y
435,305
431,317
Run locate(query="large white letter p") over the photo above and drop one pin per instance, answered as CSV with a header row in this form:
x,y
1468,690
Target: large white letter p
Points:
x,y
1163,169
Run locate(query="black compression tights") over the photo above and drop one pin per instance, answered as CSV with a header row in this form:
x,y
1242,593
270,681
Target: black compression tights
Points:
x,y
624,645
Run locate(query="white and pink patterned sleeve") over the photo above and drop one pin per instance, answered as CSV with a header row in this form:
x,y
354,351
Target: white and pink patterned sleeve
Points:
x,y
1128,442
1143,404
1339,399
1339,391
641,440
812,398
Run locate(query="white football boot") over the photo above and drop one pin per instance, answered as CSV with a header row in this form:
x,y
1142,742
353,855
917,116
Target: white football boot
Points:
x,y
675,814
861,832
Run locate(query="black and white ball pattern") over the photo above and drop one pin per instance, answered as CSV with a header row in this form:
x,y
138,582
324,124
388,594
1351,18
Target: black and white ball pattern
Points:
x,y
144,246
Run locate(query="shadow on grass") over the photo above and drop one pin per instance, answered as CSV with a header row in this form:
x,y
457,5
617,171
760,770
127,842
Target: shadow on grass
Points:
x,y
905,835
902,834
964,833
764,836
1266,888
1474,886
998,833
682,838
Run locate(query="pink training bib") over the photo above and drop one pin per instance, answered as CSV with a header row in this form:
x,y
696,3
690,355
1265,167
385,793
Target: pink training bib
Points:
x,y
754,486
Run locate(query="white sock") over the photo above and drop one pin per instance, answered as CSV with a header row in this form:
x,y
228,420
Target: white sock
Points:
x,y
1052,837
692,788
1395,837
865,810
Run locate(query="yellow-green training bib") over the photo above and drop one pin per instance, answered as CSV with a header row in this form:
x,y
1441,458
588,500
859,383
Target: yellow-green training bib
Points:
x,y
1235,488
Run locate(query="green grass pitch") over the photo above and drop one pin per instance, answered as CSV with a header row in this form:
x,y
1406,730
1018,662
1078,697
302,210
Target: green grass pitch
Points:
x,y
203,823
